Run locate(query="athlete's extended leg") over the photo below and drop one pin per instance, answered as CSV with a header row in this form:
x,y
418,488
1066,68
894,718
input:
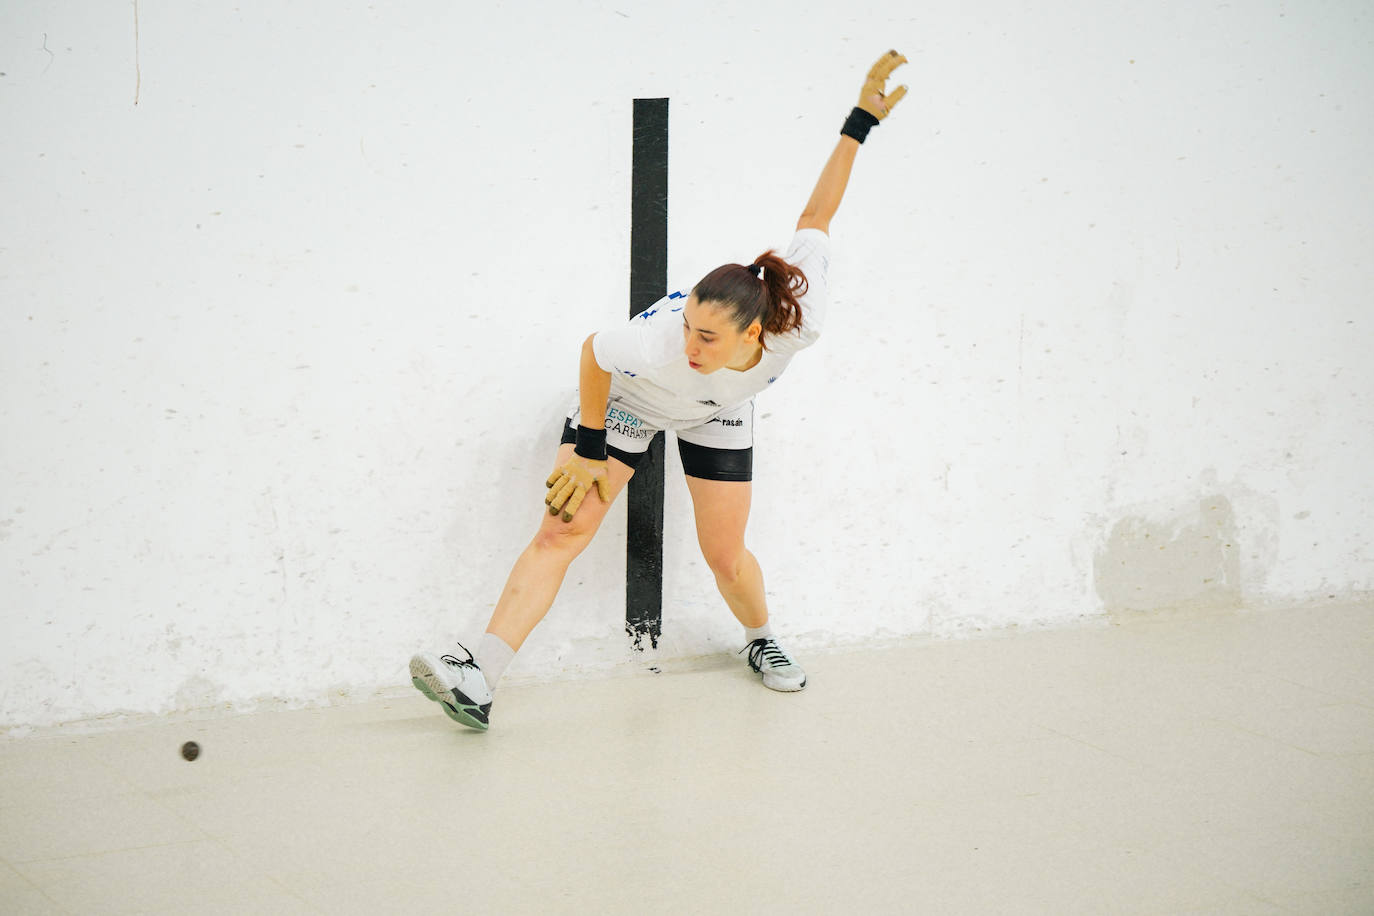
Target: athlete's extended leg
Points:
x,y
538,573
463,686
722,513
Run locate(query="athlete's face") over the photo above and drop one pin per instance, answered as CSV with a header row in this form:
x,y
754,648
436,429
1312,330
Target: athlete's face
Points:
x,y
711,340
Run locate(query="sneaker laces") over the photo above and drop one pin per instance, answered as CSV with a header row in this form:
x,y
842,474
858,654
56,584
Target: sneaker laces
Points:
x,y
765,651
469,662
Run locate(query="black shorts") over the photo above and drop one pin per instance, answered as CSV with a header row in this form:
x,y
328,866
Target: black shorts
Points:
x,y
700,461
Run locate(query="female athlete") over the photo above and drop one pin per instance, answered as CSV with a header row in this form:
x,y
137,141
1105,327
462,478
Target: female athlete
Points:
x,y
691,363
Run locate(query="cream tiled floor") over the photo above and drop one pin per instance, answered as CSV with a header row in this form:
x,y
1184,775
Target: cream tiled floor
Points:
x,y
1218,763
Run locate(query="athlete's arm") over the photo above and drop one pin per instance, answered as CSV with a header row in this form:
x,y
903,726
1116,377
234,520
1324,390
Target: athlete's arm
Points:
x,y
829,190
825,199
594,387
569,484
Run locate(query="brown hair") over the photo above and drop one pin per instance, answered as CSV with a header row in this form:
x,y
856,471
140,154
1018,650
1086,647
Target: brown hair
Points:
x,y
766,291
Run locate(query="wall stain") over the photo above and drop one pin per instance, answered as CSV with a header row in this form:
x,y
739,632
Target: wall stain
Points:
x,y
1188,561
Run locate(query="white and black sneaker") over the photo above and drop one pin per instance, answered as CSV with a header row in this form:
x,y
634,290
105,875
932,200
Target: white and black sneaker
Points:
x,y
456,684
779,671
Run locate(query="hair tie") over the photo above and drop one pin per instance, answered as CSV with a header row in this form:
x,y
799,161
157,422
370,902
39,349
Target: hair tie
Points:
x,y
756,270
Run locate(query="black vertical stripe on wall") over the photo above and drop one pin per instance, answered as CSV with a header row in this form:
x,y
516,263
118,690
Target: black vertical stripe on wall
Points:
x,y
648,284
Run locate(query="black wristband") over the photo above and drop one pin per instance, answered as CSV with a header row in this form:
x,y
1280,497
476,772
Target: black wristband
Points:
x,y
591,443
858,124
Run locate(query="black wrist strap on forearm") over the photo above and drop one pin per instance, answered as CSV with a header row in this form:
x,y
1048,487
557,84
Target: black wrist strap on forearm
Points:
x,y
591,443
858,124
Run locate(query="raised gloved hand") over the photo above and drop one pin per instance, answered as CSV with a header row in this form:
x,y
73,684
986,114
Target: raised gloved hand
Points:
x,y
569,485
873,98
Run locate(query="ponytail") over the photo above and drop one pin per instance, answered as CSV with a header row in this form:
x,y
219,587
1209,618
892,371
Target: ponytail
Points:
x,y
766,291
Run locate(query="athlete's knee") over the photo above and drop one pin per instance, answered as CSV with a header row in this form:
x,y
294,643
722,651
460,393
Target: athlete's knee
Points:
x,y
558,536
726,560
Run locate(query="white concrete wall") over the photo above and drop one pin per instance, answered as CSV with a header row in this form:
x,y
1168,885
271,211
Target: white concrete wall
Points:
x,y
291,296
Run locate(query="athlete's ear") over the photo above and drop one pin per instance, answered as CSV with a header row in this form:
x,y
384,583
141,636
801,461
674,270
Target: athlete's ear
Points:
x,y
753,332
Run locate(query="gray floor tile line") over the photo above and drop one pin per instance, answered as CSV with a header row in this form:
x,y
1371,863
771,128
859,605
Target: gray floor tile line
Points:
x,y
1268,737
1339,697
14,867
110,852
1103,750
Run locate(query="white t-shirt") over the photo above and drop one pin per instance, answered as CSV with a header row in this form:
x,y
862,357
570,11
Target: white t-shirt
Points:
x,y
649,373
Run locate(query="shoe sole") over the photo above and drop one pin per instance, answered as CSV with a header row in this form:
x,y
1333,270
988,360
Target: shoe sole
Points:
x,y
425,681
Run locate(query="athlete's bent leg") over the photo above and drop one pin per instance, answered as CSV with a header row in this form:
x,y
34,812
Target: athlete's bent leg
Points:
x,y
538,573
722,513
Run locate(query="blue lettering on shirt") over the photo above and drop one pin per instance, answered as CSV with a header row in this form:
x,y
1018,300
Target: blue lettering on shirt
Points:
x,y
617,415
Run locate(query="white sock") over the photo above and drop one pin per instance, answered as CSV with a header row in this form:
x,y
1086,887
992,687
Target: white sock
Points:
x,y
493,655
763,632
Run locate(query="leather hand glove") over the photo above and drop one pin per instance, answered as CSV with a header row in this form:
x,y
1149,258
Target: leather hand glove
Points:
x,y
569,485
872,97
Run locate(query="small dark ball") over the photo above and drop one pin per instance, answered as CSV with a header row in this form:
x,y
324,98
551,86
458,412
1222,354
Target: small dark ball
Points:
x,y
190,750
